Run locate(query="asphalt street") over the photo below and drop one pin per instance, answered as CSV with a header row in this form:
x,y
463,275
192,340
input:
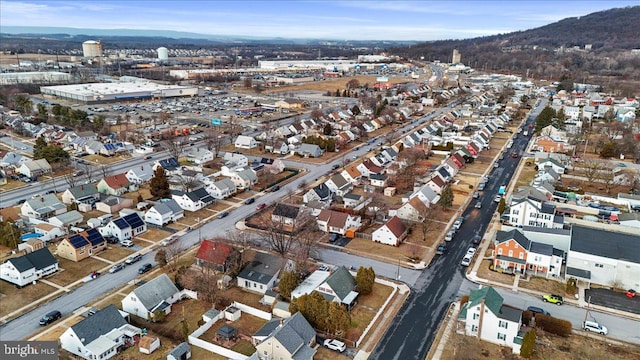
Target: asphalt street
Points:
x,y
413,330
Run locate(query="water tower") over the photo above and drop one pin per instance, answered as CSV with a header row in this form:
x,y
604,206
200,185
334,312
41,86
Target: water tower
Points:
x,y
163,54
91,49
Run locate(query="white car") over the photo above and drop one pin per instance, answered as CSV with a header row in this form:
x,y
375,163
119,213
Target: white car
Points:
x,y
450,235
126,243
497,199
336,345
593,326
471,251
466,260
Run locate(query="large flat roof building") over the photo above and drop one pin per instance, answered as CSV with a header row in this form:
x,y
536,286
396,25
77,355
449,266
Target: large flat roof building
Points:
x,y
30,77
117,91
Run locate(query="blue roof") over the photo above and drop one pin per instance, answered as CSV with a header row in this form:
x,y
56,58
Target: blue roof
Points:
x,y
134,220
120,223
109,146
77,241
94,237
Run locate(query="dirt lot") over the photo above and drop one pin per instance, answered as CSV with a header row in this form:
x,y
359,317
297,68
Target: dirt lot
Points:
x,y
115,253
71,271
549,347
12,299
333,85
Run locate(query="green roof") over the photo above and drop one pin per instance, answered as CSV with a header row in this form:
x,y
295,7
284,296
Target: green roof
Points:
x,y
491,298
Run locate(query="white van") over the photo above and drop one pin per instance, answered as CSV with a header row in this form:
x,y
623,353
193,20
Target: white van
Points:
x,y
593,326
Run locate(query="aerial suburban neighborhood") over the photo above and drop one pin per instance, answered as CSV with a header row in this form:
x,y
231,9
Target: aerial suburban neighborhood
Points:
x,y
168,202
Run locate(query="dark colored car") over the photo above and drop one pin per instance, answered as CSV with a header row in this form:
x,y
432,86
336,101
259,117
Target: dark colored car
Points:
x,y
223,214
442,248
514,155
477,239
336,166
536,310
249,201
50,317
144,268
275,188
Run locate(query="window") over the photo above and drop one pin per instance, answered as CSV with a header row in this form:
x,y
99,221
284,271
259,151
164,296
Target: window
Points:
x,y
511,253
599,265
503,324
517,246
476,316
521,256
514,211
500,251
502,336
474,328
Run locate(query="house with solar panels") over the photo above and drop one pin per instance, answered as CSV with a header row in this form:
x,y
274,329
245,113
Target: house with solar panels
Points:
x,y
25,269
171,166
82,245
125,227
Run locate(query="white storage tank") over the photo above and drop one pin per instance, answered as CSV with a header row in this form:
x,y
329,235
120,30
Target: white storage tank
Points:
x,y
91,48
163,54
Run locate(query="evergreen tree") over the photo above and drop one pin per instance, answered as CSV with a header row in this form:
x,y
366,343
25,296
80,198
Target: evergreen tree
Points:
x,y
159,184
10,234
446,198
365,278
545,118
502,206
289,280
528,344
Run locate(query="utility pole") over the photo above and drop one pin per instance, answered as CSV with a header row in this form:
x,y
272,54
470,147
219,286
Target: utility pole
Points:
x,y
587,312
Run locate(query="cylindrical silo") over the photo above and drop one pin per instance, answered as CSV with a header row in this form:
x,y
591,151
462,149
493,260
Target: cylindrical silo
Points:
x,y
91,48
163,54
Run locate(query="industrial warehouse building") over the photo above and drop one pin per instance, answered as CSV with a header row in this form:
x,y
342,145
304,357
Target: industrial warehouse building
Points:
x,y
31,77
117,91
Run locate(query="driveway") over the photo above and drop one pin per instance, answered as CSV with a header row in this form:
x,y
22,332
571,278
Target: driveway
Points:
x,y
614,300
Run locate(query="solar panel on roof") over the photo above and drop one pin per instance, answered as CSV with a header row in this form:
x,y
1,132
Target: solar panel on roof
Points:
x,y
77,241
120,223
109,146
94,237
134,220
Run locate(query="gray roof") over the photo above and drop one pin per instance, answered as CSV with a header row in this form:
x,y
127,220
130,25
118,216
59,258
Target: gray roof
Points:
x,y
339,181
510,313
200,195
100,323
69,217
162,209
608,244
540,248
45,203
287,211
84,190
155,291
180,350
503,236
38,259
173,205
263,268
267,328
322,190
341,282
294,333
224,184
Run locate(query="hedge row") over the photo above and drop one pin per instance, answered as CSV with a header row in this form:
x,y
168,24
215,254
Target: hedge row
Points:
x,y
555,326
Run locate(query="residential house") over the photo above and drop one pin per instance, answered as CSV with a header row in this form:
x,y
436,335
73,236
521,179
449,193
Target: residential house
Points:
x,y
310,150
171,166
217,256
34,168
243,178
604,258
289,104
116,185
530,207
339,185
486,317
42,207
48,232
551,163
426,195
82,245
367,168
413,210
199,156
286,215
278,147
437,183
352,200
332,221
26,269
515,253
99,336
139,174
163,212
67,219
221,189
378,180
339,287
81,194
288,339
549,144
393,232
235,161
125,227
156,295
351,174
111,204
245,142
193,200
261,273
320,193
181,352
11,158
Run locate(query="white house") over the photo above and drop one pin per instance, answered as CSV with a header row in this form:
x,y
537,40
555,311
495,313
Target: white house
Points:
x,y
99,336
25,269
243,178
34,168
81,194
245,142
156,295
125,227
319,192
339,185
193,200
42,207
530,207
392,232
199,156
221,189
485,316
139,174
164,212
413,210
262,272
331,221
234,161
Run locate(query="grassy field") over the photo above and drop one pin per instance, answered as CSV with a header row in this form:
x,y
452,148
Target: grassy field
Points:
x,y
12,299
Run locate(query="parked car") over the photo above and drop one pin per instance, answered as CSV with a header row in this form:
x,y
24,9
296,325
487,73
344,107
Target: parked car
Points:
x,y
593,326
148,157
471,251
458,223
249,201
478,205
536,310
498,198
126,243
554,299
335,167
223,215
144,268
261,206
481,186
133,259
336,345
466,260
442,249
275,188
477,239
476,195
169,240
117,267
514,155
449,235
50,317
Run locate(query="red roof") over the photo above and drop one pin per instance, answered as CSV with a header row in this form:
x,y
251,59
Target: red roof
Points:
x,y
214,252
396,227
117,181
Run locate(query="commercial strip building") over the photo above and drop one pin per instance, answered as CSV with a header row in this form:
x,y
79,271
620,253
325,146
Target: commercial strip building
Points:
x,y
117,91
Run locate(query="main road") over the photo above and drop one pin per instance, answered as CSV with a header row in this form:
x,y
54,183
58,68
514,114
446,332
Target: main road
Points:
x,y
413,330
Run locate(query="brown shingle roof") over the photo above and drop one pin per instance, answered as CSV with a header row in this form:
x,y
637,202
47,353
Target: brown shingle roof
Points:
x,y
396,226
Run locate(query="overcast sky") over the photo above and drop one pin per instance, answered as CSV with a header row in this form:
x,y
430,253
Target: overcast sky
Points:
x,y
343,20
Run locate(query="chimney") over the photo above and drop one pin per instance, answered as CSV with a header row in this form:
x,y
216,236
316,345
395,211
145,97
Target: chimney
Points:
x,y
81,187
41,199
281,322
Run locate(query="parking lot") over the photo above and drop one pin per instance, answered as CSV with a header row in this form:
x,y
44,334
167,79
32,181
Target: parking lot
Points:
x,y
614,300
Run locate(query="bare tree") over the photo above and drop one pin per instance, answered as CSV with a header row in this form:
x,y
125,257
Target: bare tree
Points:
x,y
71,180
425,222
591,168
174,147
214,140
308,235
104,171
88,172
189,183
